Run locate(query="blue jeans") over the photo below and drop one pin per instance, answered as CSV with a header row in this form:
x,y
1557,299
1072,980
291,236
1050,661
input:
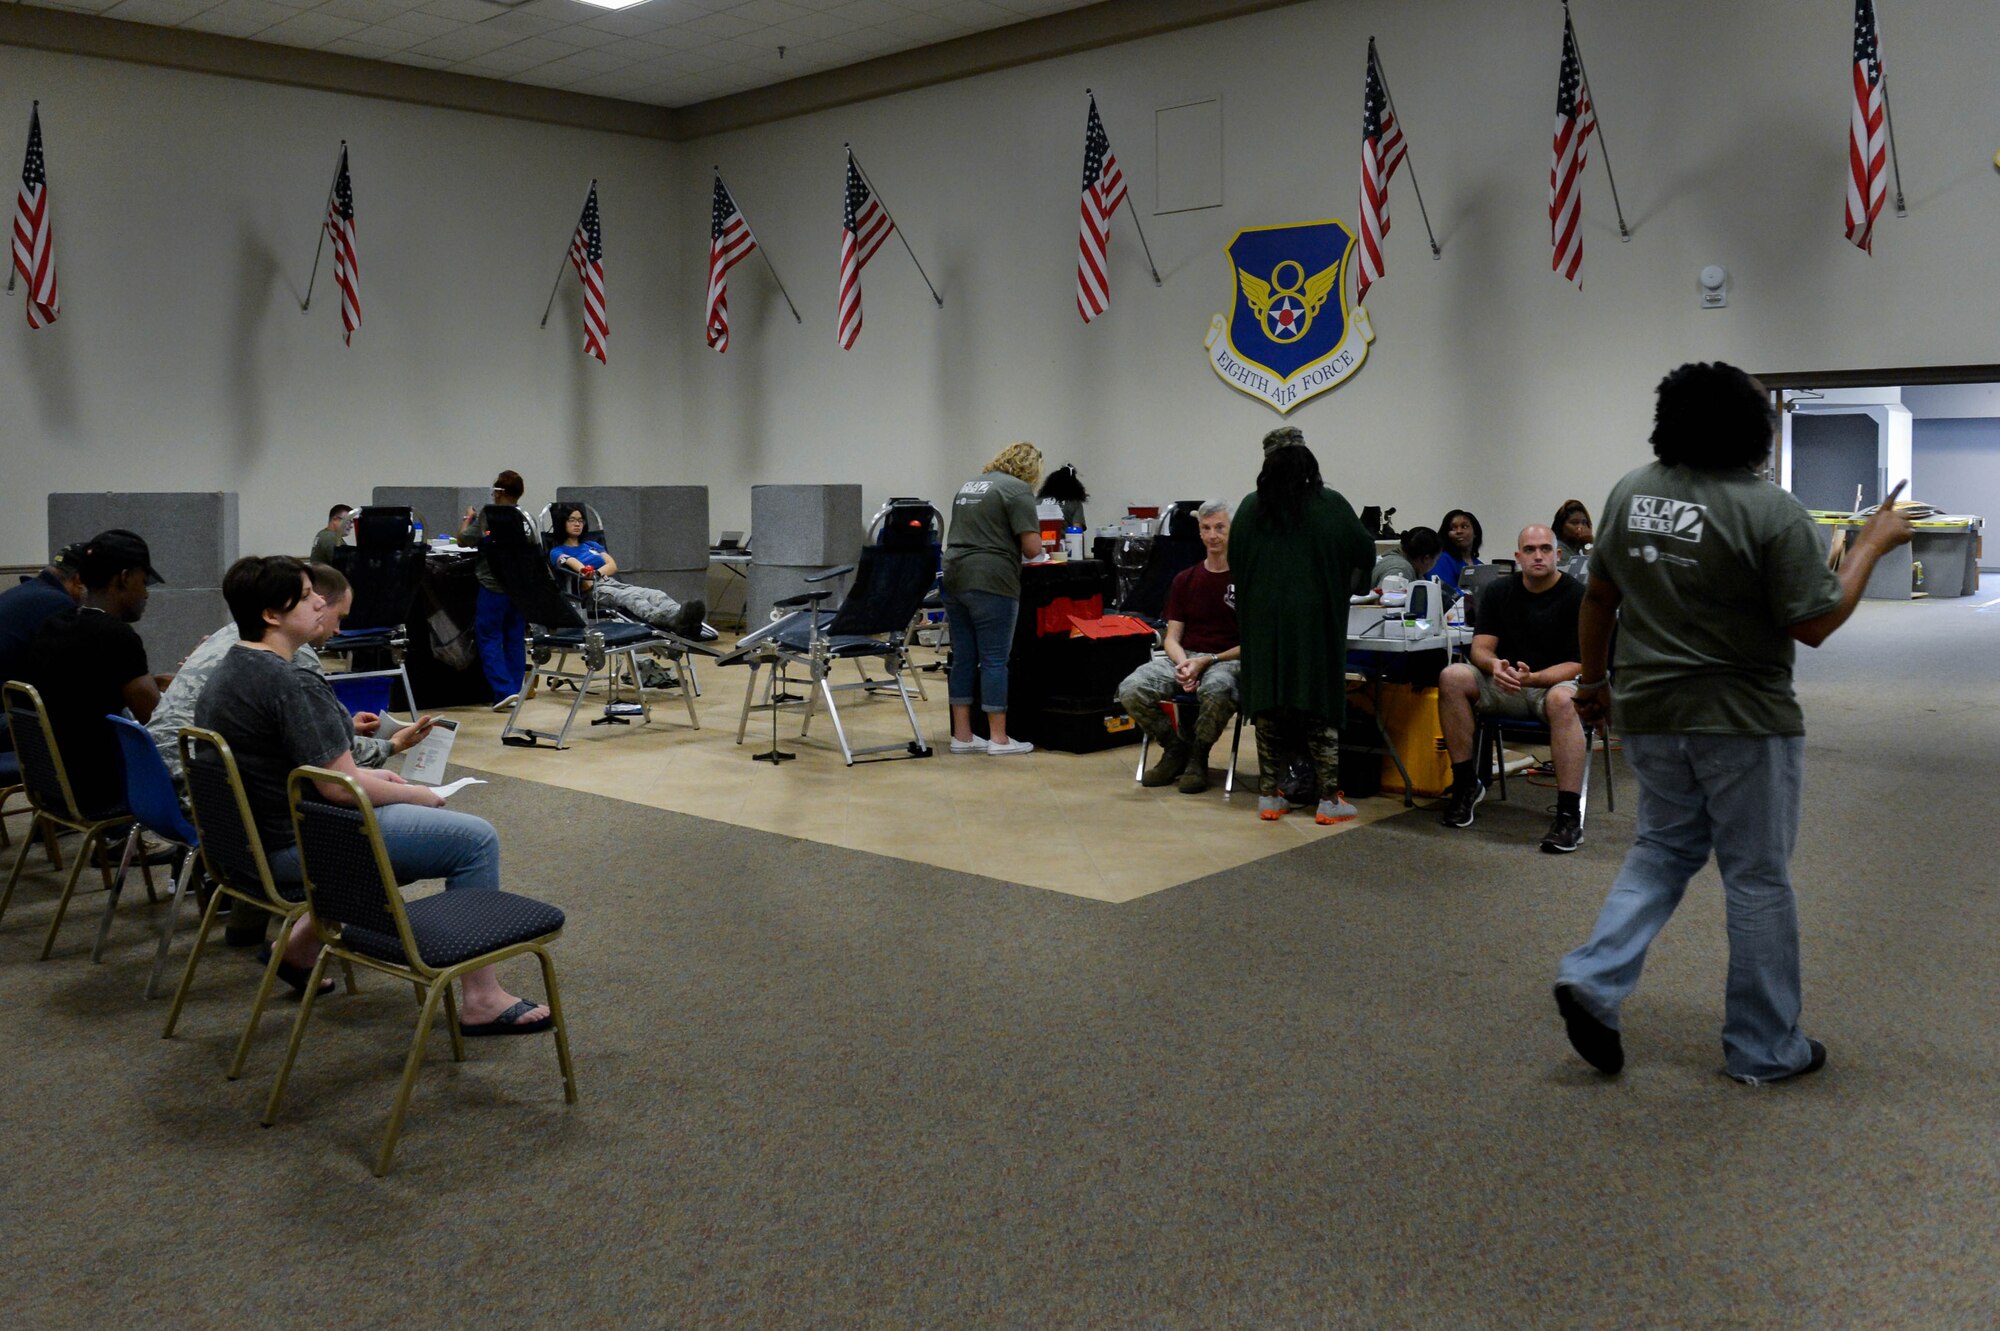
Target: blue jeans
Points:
x,y
1738,796
460,848
982,636
502,632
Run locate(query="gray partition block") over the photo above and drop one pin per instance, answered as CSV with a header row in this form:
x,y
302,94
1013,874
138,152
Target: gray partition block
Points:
x,y
676,522
192,534
796,525
769,582
441,508
683,584
176,620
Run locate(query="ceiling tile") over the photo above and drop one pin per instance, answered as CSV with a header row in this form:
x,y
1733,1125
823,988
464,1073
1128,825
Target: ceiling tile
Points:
x,y
367,11
309,29
537,50
423,25
592,62
463,11
725,24
237,18
421,61
392,39
463,44
523,24
165,12
767,12
499,64
865,12
355,46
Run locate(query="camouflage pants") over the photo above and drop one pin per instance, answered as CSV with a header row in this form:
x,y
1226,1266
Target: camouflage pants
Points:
x,y
649,604
1153,683
1284,733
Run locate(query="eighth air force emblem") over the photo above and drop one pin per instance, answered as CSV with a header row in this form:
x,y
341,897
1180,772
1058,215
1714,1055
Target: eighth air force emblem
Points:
x,y
1290,336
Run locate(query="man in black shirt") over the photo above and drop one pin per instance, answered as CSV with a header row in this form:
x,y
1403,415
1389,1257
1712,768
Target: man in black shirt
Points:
x,y
1524,664
88,661
28,605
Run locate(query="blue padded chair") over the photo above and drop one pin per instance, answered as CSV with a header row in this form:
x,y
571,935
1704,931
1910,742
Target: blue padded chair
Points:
x,y
149,794
46,783
361,918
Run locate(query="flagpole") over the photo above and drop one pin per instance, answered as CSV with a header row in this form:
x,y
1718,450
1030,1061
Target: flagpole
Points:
x,y
332,185
892,219
1390,97
760,250
1133,211
1888,120
565,260
1602,150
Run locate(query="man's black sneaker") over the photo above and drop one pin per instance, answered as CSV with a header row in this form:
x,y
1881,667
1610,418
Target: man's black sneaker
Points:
x,y
1460,803
1565,834
1599,1044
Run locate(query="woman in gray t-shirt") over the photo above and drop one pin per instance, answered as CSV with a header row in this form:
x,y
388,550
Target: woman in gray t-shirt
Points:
x,y
993,529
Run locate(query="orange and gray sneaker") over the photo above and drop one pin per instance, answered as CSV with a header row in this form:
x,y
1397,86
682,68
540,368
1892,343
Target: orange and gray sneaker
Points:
x,y
1335,810
1272,807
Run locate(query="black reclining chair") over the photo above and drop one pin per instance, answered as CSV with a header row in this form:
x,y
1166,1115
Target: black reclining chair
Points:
x,y
593,604
1177,547
873,620
907,523
384,566
557,628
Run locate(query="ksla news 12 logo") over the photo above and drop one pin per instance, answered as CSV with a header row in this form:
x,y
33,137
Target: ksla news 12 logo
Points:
x,y
1290,336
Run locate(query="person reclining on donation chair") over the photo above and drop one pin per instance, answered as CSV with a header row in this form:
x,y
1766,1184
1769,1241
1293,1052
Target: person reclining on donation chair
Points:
x,y
596,569
1202,650
1420,548
277,717
1525,664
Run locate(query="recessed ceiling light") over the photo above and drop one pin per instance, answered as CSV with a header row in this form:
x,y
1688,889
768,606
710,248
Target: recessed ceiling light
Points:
x,y
613,4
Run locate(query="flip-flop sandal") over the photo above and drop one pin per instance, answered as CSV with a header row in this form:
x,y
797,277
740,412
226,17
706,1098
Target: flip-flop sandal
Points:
x,y
510,1023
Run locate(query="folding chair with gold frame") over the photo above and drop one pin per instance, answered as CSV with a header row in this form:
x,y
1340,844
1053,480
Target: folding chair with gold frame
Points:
x,y
233,855
361,918
45,781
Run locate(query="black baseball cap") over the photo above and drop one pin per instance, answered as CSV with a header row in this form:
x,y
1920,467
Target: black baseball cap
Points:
x,y
110,553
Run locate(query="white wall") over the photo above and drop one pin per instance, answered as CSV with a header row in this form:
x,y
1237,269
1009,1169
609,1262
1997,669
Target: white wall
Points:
x,y
185,208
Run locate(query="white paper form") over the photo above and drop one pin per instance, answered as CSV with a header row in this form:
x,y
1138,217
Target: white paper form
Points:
x,y
425,760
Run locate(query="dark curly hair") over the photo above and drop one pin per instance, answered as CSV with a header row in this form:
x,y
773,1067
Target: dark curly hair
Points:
x,y
1712,417
1064,486
1290,477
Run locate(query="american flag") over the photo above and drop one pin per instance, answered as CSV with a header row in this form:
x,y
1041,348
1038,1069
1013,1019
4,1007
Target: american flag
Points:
x,y
864,225
586,255
1867,147
34,236
1381,153
1574,122
346,264
1103,191
729,243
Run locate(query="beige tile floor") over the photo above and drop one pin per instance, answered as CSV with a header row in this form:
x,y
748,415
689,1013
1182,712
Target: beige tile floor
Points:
x,y
1075,823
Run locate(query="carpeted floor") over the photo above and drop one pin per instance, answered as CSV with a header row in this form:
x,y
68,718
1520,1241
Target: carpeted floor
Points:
x,y
824,1088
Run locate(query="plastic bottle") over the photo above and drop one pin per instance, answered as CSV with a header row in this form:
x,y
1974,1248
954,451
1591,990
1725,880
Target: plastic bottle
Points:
x,y
417,530
1073,543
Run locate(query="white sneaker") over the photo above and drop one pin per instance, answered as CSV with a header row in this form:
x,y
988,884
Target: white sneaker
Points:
x,y
507,703
973,745
1011,746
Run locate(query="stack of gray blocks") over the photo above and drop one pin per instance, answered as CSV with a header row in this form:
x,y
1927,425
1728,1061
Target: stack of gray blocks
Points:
x,y
441,508
657,533
193,538
795,531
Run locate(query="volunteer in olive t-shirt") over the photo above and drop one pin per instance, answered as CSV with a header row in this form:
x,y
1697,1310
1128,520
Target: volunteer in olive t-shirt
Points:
x,y
1711,574
993,529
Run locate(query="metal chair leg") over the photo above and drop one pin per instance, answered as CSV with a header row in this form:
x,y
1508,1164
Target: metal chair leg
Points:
x,y
172,922
411,1066
62,903
20,859
111,896
557,1024
258,1004
749,696
451,1024
194,959
277,1096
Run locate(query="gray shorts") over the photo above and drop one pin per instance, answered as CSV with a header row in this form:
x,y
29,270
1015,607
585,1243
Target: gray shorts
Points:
x,y
1530,704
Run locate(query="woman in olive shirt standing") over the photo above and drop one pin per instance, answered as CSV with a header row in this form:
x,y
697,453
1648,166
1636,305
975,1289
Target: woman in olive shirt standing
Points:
x,y
993,529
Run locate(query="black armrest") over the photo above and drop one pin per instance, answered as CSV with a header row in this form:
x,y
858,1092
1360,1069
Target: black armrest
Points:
x,y
838,571
803,598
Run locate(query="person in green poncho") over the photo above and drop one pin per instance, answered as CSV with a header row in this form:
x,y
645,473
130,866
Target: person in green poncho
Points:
x,y
1298,552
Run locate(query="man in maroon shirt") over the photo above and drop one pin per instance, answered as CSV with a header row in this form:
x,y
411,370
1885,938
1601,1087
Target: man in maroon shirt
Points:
x,y
1202,649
